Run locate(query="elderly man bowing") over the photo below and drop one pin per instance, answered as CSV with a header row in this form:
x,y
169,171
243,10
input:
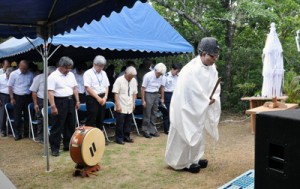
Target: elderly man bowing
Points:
x,y
125,90
62,89
152,84
96,84
192,111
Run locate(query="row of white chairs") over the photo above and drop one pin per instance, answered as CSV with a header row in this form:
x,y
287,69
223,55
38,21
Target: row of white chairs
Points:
x,y
107,121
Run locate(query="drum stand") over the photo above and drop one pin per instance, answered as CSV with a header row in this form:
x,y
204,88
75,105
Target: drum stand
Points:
x,y
86,171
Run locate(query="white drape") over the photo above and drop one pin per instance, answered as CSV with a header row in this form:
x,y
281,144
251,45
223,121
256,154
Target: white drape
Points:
x,y
273,70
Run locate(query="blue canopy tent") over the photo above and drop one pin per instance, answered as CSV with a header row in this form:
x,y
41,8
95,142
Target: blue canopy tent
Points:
x,y
138,32
47,18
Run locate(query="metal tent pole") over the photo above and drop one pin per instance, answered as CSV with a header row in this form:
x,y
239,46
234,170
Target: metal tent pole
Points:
x,y
45,105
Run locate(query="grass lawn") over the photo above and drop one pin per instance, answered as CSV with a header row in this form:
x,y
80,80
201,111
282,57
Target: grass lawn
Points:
x,y
130,166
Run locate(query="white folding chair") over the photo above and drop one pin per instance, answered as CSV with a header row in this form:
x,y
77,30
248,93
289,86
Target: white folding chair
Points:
x,y
9,120
31,120
138,102
111,120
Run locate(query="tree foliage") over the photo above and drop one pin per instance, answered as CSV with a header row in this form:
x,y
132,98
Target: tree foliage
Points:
x,y
241,28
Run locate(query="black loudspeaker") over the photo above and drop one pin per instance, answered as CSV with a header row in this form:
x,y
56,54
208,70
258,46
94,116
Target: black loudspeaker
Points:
x,y
277,150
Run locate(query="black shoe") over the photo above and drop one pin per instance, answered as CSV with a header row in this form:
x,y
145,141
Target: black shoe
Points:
x,y
3,135
166,132
66,149
146,135
55,153
203,163
155,134
129,140
194,168
120,142
18,138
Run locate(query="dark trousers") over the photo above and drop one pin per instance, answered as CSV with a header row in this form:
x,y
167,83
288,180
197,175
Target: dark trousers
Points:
x,y
62,123
4,98
95,112
39,117
123,127
168,97
20,109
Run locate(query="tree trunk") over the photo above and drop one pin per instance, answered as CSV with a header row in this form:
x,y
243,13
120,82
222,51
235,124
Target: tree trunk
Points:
x,y
230,30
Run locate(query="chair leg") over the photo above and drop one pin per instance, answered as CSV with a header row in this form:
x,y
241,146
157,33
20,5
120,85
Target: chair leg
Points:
x,y
135,124
32,132
12,130
105,133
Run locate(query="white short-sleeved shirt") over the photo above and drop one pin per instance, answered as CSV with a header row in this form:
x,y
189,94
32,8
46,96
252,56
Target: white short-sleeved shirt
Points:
x,y
20,82
2,71
61,84
38,85
3,84
151,82
98,82
79,79
125,90
169,82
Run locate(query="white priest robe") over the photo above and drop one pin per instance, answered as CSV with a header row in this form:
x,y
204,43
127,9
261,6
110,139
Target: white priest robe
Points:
x,y
190,113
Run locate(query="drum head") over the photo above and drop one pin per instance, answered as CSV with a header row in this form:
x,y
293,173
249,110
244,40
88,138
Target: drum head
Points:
x,y
92,147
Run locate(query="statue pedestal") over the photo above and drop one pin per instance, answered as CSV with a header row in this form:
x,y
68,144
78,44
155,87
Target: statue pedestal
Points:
x,y
274,104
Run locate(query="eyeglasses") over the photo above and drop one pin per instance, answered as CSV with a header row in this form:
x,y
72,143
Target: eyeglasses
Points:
x,y
214,56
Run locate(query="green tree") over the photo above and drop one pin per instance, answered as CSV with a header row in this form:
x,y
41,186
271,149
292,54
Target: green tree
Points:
x,y
241,28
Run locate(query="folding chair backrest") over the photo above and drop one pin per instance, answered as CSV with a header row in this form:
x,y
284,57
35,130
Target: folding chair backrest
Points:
x,y
49,111
110,106
82,107
109,121
138,102
9,106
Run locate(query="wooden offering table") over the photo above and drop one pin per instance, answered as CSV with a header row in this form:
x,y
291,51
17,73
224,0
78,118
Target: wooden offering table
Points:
x,y
254,111
258,101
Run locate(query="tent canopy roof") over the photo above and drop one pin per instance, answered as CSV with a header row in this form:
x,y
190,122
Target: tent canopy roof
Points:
x,y
51,17
133,33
